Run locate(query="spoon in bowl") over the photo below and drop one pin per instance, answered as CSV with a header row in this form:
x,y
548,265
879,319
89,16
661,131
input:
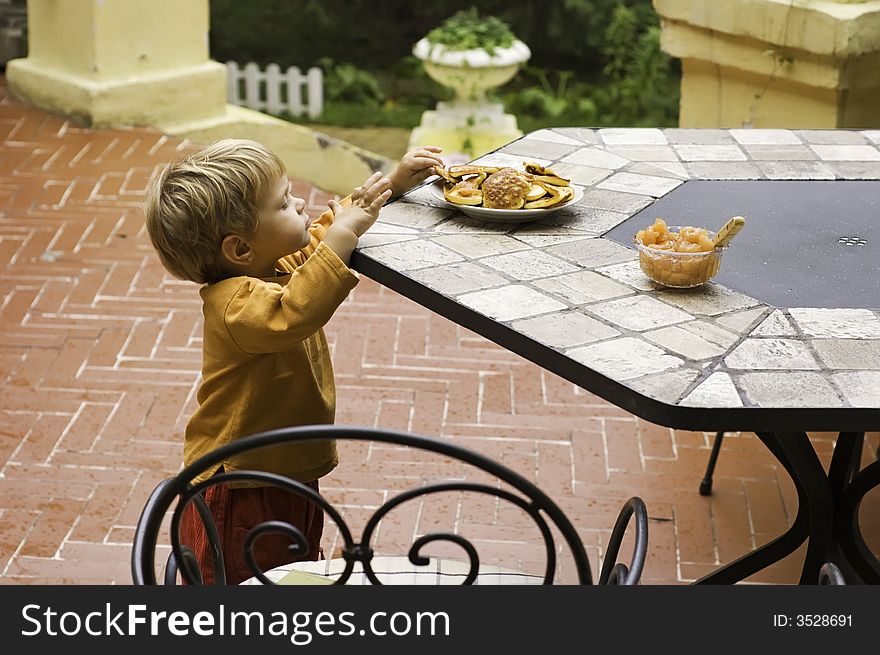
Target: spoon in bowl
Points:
x,y
729,230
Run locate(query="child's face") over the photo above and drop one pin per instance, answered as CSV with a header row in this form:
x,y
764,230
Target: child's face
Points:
x,y
282,227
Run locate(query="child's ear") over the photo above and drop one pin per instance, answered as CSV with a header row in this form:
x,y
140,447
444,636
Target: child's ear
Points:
x,y
236,251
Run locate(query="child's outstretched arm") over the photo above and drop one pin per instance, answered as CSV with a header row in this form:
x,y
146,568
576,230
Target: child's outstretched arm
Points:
x,y
415,167
351,222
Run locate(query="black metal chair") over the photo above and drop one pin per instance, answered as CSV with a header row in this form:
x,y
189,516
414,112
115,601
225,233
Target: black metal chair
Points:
x,y
830,574
175,494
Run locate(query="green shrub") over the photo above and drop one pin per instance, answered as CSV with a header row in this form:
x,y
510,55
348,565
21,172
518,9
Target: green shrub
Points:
x,y
467,30
638,85
594,62
565,34
346,82
542,101
642,88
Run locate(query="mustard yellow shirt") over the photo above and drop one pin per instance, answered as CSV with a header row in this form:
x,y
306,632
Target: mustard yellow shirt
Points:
x,y
266,363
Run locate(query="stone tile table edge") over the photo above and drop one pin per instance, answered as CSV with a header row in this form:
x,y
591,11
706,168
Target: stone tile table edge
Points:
x,y
712,150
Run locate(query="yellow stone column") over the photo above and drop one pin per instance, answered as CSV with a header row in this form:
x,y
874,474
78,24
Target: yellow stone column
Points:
x,y
120,62
146,62
775,63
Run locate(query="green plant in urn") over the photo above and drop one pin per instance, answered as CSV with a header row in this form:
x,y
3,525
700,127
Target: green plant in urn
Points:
x,y
471,54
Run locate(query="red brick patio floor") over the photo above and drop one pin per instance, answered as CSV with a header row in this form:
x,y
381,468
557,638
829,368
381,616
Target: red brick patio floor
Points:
x,y
99,358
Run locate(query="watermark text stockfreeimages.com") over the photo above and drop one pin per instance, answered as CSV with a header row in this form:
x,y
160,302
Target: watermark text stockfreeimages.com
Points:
x,y
136,620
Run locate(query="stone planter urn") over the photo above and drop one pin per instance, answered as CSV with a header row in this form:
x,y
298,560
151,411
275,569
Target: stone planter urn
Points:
x,y
470,73
469,125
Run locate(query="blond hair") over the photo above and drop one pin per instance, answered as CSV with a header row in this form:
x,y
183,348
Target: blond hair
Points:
x,y
197,201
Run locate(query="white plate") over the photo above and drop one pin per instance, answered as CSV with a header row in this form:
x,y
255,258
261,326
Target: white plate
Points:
x,y
504,215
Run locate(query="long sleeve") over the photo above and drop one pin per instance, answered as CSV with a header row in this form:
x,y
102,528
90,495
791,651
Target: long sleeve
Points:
x,y
266,365
268,317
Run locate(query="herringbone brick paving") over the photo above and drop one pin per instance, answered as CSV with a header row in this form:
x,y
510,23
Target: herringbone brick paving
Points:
x,y
100,353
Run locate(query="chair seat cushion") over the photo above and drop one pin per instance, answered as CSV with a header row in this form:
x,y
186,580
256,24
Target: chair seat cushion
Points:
x,y
396,571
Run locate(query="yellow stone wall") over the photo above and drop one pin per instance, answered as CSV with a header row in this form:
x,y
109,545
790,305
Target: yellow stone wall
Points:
x,y
146,62
775,63
170,34
120,62
330,164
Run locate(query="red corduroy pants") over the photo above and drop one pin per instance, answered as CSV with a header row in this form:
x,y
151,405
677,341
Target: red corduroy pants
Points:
x,y
236,512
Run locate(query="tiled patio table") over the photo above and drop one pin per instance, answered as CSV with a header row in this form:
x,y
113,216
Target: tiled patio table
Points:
x,y
784,340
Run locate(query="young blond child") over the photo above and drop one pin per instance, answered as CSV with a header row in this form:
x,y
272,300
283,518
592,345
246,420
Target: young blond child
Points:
x,y
272,277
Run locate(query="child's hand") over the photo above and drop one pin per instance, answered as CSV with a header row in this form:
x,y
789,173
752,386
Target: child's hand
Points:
x,y
351,222
366,201
415,167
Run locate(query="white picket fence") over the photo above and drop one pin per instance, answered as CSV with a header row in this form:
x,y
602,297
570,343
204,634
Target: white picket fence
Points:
x,y
273,91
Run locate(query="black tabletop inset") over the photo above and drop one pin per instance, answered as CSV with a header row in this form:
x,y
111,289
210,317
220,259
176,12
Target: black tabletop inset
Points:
x,y
838,256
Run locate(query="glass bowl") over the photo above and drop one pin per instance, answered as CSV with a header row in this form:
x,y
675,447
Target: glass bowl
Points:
x,y
680,270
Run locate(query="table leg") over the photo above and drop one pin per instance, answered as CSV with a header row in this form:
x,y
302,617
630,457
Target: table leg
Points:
x,y
846,461
815,498
827,514
852,545
780,547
